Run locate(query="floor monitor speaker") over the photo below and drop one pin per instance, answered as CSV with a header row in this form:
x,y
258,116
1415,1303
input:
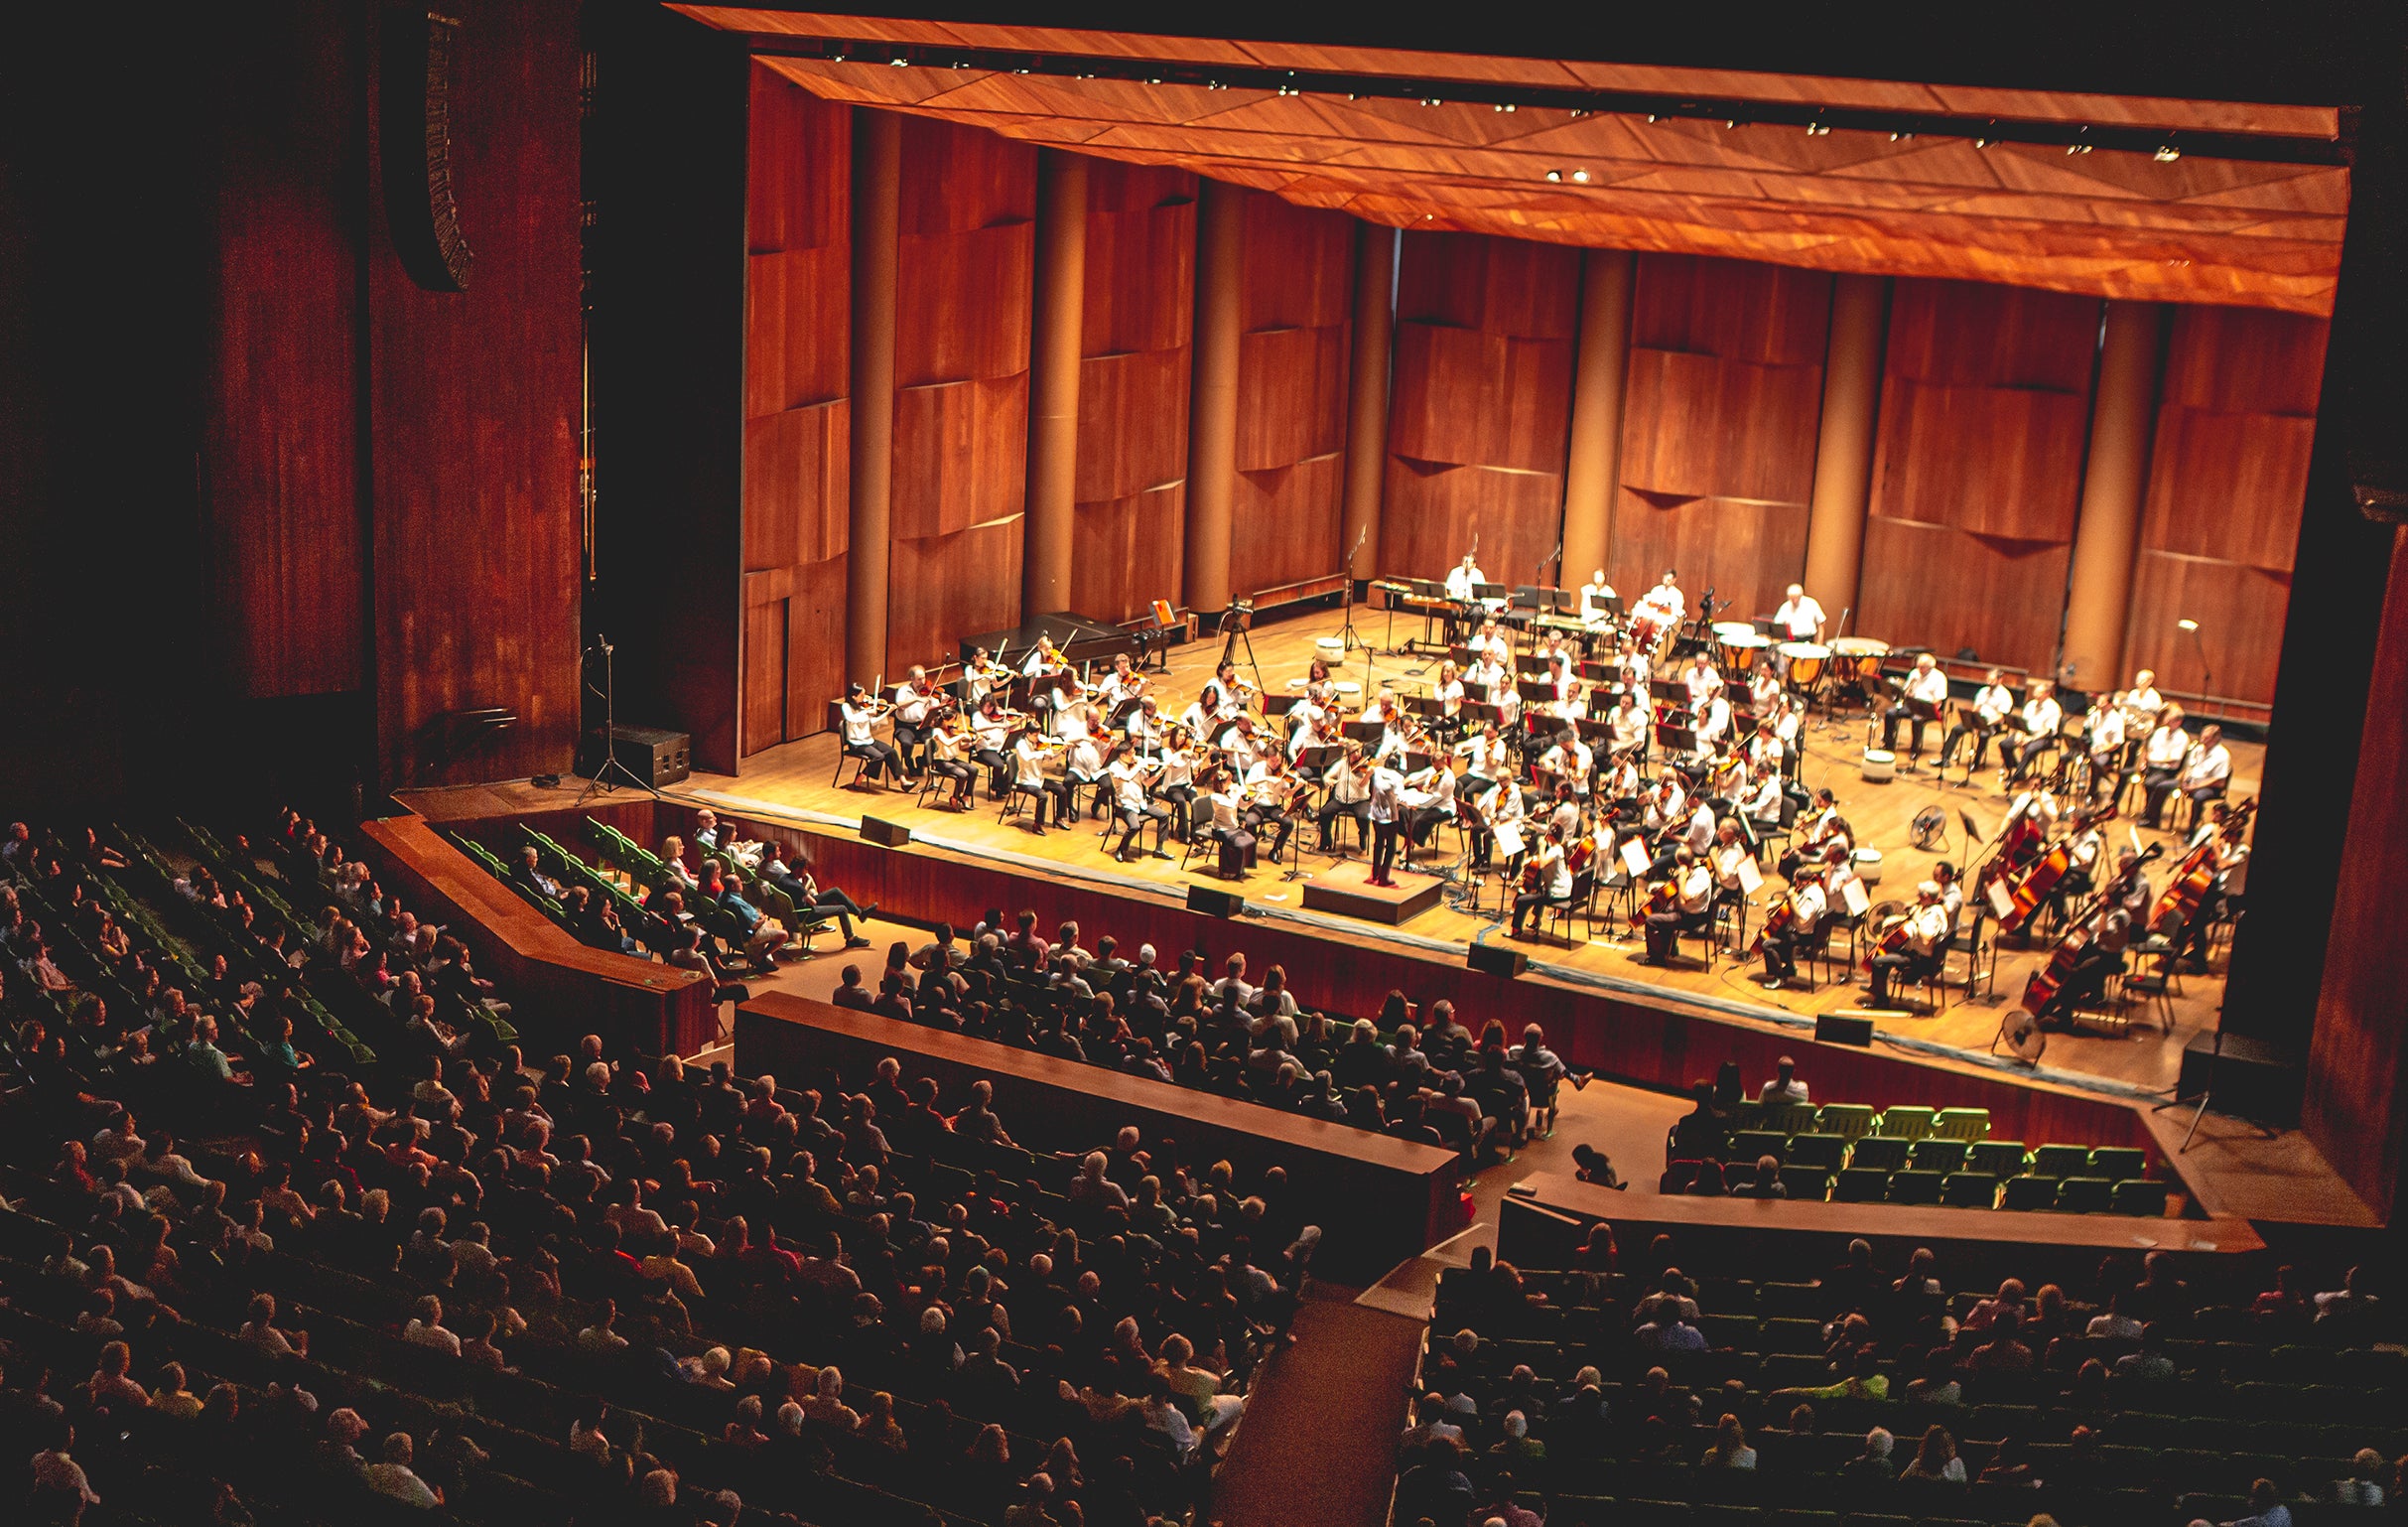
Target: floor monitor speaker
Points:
x,y
1213,903
1497,960
889,834
1845,1029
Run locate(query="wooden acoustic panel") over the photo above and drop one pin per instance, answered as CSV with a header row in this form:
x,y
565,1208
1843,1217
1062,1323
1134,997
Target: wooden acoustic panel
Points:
x,y
1292,395
1132,424
815,643
798,481
1299,266
798,324
793,141
2245,361
1470,397
1141,270
1129,552
1972,334
1992,461
1738,310
1284,526
1744,549
2228,487
1696,426
764,663
961,455
1505,286
1936,585
1432,512
2240,610
943,588
963,303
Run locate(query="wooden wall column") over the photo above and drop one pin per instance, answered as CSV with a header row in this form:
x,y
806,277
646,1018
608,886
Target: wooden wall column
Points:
x,y
2106,539
1367,393
878,155
1053,384
1212,429
1843,454
1593,464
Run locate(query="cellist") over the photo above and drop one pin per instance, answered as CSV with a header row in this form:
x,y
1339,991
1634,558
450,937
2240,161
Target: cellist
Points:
x,y
2221,837
1927,943
1780,946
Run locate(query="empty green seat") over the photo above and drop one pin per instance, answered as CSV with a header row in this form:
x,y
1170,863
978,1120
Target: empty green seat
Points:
x,y
1818,1149
2060,1160
1810,1183
1850,1121
2086,1196
1966,1124
1907,1121
1747,1113
1861,1185
1797,1337
1969,1190
1887,1152
1999,1157
2030,1192
1749,1144
1942,1155
2139,1195
2117,1162
1788,1118
1916,1187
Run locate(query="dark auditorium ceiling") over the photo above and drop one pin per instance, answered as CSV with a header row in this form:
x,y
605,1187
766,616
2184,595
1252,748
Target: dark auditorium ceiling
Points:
x,y
1980,184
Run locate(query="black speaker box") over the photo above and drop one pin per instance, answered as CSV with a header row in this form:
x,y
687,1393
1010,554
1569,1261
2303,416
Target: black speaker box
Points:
x,y
1845,1029
1497,960
888,834
2252,1079
1215,903
656,756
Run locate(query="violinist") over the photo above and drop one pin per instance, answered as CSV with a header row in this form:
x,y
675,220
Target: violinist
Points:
x,y
1122,685
1269,787
1801,933
1307,721
983,676
1692,834
862,713
1222,701
2162,757
1044,659
1176,784
1243,749
1145,727
1619,784
1729,852
1030,754
1346,792
2042,717
1626,727
1396,730
1712,723
990,730
1502,807
1760,801
1765,747
1129,803
1228,829
1387,822
1429,799
1565,815
1926,925
1926,686
1569,761
916,703
951,747
1546,879
1991,703
1085,752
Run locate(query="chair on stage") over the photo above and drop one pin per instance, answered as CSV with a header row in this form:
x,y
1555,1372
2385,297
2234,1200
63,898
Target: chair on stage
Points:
x,y
1582,903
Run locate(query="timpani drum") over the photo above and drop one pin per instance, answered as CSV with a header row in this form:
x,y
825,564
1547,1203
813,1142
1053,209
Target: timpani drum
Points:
x,y
1349,689
1880,766
1860,656
1738,647
1802,662
1868,866
1332,649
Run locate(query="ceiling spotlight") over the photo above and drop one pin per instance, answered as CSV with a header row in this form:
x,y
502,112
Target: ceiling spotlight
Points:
x,y
1818,130
1651,117
2167,153
2077,148
1581,176
1982,143
901,63
1554,177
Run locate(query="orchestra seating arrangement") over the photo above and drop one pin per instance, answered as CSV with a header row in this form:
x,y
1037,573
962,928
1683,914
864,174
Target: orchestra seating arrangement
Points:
x,y
1645,1386
556,1293
1853,1153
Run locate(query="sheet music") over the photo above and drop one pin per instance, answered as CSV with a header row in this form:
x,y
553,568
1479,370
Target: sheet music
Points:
x,y
1751,879
1510,840
2002,900
1634,858
1854,897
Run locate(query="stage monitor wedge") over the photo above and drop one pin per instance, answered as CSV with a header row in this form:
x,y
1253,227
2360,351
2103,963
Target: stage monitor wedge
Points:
x,y
884,833
1215,903
1497,960
1845,1029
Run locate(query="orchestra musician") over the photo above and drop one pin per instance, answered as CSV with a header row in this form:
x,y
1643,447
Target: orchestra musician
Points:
x,y
1665,602
1765,689
1387,822
1030,754
1991,703
1145,727
1800,617
1619,784
861,712
1568,761
1176,784
992,731
2104,727
1268,788
1626,727
1692,834
1730,851
2143,705
2126,899
1701,680
1762,800
1596,599
1222,703
915,700
1346,792
1547,878
1927,685
1711,721
1228,828
1631,668
2207,769
951,747
1429,799
2085,849
2162,756
1083,757
2041,720
1449,692
1817,830
1122,685
981,676
1926,943
1801,933
2224,830
1492,672
1044,658
1692,909
1131,804
1564,815
1839,874
1661,917
1306,723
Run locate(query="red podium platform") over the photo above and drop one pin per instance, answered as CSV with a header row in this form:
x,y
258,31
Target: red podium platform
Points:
x,y
1346,889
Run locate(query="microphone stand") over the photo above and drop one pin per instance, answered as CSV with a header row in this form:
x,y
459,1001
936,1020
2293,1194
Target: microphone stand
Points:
x,y
601,782
1347,633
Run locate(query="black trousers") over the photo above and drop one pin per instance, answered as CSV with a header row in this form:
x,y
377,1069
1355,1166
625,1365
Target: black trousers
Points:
x,y
1237,846
1383,849
1280,825
1133,822
1530,901
1889,732
1780,951
907,743
1421,821
957,771
1959,733
1912,967
2158,784
2020,754
876,758
1055,790
1182,799
999,771
1328,816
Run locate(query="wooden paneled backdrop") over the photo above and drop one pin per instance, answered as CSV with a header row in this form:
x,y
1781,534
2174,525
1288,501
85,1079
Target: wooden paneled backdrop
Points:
x,y
1480,408
2227,482
1133,373
1718,428
1295,303
1977,469
798,296
961,373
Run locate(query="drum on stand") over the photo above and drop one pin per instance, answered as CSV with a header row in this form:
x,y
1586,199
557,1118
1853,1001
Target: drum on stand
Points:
x,y
1350,687
1331,649
1868,865
1860,656
1801,663
1739,647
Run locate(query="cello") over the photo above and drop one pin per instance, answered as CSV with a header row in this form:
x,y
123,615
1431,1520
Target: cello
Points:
x,y
2032,887
2196,874
2047,982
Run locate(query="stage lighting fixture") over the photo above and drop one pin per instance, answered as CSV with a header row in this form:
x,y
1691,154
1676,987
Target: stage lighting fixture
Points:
x,y
1818,130
2167,153
2187,624
1581,176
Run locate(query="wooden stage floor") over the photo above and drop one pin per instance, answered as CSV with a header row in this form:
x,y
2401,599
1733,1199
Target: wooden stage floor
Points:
x,y
799,776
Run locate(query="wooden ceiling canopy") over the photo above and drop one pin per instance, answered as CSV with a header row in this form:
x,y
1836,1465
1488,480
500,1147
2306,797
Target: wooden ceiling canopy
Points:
x,y
2196,202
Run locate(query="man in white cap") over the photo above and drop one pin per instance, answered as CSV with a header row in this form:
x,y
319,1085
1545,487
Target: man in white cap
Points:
x,y
1926,925
1800,617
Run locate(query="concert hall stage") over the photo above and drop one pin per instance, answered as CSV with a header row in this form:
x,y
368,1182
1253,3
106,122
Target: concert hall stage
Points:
x,y
1345,890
